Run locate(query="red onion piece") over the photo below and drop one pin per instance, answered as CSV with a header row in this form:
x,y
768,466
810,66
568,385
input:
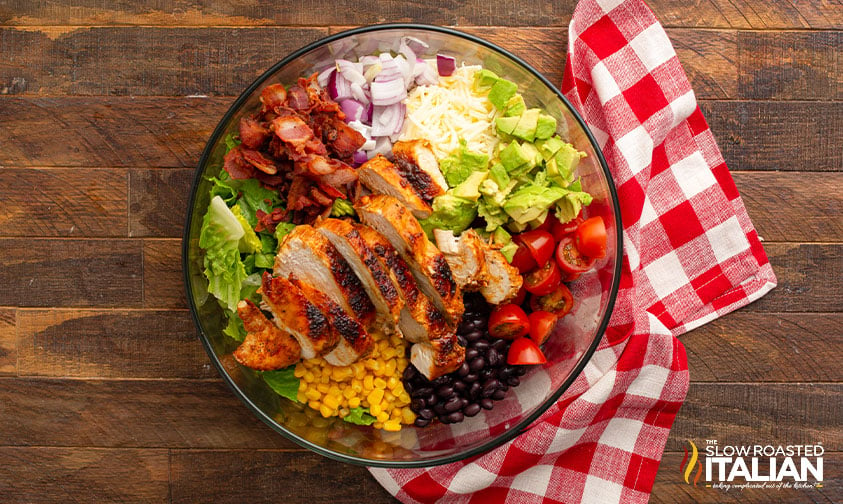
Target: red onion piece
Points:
x,y
445,65
428,75
415,45
359,158
338,87
388,92
353,110
387,119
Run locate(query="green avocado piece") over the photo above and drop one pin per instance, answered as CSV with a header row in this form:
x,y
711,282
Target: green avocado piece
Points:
x,y
485,79
530,202
506,124
501,237
549,147
526,128
501,92
515,106
546,127
513,158
532,152
508,250
470,187
567,158
450,212
497,173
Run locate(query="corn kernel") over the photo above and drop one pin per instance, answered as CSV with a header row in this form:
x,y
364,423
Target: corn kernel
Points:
x,y
325,378
377,425
331,401
383,416
341,373
375,410
388,353
404,398
379,383
391,365
314,405
312,394
301,397
392,383
375,396
326,411
392,425
334,390
323,387
368,382
353,402
407,415
309,377
299,371
348,392
388,397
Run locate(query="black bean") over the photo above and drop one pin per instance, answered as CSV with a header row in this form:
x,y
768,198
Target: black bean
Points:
x,y
422,422
470,378
505,372
520,370
464,327
410,372
426,413
471,354
499,345
444,419
488,373
471,410
473,335
445,391
487,403
475,390
490,387
477,363
463,402
409,387
481,346
442,380
460,386
439,409
431,399
453,404
513,381
421,392
455,417
417,404
464,369
499,394
462,341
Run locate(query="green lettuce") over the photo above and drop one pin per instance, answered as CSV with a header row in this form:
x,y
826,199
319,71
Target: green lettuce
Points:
x,y
234,329
342,208
360,416
220,237
283,382
250,242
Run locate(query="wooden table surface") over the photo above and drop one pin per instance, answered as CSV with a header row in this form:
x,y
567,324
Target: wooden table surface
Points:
x,y
105,392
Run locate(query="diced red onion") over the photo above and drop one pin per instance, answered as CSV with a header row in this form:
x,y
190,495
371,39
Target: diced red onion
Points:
x,y
338,87
368,144
359,92
415,45
367,117
388,92
387,119
428,75
351,71
404,68
382,146
402,112
369,60
445,65
353,109
324,75
359,158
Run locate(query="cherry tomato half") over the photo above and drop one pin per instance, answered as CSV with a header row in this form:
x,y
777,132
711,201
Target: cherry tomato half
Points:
x,y
523,259
558,302
541,324
525,351
591,237
508,322
540,244
560,230
547,225
570,259
543,280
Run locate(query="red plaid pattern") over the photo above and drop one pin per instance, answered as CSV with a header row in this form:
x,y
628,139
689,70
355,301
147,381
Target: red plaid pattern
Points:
x,y
691,255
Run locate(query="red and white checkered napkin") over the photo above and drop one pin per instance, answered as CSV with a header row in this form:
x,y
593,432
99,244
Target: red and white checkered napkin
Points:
x,y
691,254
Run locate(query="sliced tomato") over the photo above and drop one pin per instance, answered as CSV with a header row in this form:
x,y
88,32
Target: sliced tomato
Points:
x,y
570,277
541,324
540,243
543,280
519,298
547,225
508,322
525,351
591,237
560,230
523,259
558,302
570,259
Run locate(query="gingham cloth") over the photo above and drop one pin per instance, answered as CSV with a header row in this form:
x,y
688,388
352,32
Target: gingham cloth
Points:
x,y
691,255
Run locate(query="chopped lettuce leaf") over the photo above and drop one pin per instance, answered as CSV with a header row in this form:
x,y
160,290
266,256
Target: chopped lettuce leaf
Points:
x,y
461,163
224,187
230,142
342,208
249,243
264,261
255,197
359,416
269,245
235,329
283,382
249,287
219,237
282,229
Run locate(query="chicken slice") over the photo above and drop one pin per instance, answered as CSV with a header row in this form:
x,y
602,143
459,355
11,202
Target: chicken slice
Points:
x,y
417,163
504,279
353,341
466,257
265,347
299,316
383,177
438,357
308,255
388,216
382,292
419,320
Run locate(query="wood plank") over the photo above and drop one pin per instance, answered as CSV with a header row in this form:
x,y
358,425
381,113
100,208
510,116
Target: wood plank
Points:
x,y
158,201
772,200
63,202
110,344
670,486
763,413
711,13
163,283
68,272
709,59
129,414
144,60
790,65
804,273
44,474
778,347
269,476
8,341
786,136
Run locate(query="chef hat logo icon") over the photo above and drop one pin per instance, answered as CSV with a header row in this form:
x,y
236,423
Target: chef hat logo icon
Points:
x,y
687,469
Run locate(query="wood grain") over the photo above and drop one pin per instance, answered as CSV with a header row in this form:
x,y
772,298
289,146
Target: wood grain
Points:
x,y
163,284
710,60
69,272
670,487
110,344
8,341
778,347
749,413
63,202
268,476
129,414
785,136
158,201
45,474
710,13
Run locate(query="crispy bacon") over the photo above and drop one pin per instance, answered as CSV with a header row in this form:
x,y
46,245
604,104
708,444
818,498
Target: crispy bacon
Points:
x,y
297,98
259,161
273,96
236,165
319,197
342,139
268,221
252,133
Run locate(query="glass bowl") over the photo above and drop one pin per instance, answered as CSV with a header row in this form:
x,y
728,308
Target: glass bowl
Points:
x,y
575,337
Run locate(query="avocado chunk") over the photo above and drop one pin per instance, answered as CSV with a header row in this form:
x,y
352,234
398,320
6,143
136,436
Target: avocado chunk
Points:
x,y
485,79
549,147
545,127
506,124
526,128
470,187
461,163
501,237
515,159
515,106
450,212
501,92
497,173
567,158
508,250
530,202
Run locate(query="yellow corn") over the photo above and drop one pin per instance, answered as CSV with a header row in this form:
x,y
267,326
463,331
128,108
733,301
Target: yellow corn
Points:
x,y
354,402
375,396
376,410
379,383
312,394
326,411
390,368
407,416
368,382
309,377
388,397
323,387
392,383
383,416
300,370
331,401
392,425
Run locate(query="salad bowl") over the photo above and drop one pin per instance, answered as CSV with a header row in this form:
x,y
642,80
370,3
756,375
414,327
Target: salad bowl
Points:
x,y
574,338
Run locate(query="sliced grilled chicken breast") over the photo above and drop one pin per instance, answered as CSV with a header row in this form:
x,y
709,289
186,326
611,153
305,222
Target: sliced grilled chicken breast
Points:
x,y
437,357
383,177
353,342
419,319
308,255
466,257
389,217
416,162
382,291
265,347
504,279
299,316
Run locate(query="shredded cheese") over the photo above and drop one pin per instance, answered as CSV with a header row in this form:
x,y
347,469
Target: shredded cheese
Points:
x,y
445,113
